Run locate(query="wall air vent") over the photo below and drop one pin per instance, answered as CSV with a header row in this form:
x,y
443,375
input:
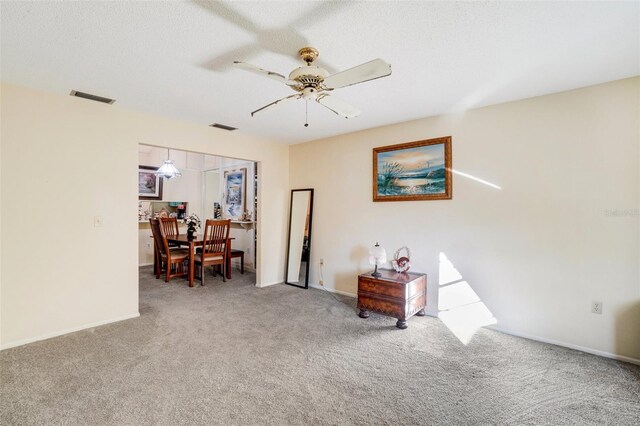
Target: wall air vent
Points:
x,y
91,97
222,126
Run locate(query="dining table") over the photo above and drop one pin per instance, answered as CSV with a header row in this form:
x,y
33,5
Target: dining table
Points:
x,y
198,241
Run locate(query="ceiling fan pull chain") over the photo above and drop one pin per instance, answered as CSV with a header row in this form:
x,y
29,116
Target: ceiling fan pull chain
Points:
x,y
306,113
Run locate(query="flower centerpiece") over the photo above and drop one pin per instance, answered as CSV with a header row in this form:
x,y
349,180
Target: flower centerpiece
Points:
x,y
192,221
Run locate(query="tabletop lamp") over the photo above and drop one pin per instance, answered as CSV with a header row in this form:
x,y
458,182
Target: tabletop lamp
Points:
x,y
377,256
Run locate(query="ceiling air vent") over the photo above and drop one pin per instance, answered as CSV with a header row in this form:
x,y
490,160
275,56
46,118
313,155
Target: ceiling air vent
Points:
x,y
222,126
91,97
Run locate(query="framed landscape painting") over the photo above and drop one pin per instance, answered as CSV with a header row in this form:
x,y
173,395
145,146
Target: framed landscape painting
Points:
x,y
149,184
413,171
235,187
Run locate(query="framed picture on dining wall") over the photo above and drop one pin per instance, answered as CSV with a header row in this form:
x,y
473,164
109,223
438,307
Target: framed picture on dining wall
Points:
x,y
235,193
412,171
149,184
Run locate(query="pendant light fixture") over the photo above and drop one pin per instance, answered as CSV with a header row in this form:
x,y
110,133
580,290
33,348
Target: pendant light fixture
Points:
x,y
168,170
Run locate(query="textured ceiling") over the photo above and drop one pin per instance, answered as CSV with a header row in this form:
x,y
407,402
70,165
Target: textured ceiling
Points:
x,y
173,58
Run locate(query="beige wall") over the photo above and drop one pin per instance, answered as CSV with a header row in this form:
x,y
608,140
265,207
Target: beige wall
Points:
x,y
66,160
211,191
536,252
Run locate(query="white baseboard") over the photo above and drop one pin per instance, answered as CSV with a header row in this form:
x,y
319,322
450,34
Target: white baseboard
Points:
x,y
568,345
145,264
67,331
332,290
268,284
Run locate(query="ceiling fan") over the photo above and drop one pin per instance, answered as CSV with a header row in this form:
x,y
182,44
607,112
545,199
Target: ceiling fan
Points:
x,y
312,82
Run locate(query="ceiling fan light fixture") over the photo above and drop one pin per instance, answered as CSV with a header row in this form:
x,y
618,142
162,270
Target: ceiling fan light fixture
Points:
x,y
309,93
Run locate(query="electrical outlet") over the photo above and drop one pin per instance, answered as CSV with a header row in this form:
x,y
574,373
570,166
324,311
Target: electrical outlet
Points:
x,y
148,245
97,221
596,307
321,262
321,282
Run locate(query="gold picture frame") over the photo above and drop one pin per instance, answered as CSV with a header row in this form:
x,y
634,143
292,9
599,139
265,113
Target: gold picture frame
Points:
x,y
413,171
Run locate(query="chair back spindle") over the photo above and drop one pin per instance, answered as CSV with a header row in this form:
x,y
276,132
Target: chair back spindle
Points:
x,y
216,234
169,226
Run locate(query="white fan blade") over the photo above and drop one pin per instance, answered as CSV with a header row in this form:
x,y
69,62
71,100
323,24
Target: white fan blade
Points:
x,y
257,70
365,72
279,101
338,106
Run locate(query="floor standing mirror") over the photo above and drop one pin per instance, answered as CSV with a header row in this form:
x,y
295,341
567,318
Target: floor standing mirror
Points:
x,y
299,249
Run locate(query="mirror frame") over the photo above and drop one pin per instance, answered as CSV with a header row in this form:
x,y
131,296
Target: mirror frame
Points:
x,y
286,267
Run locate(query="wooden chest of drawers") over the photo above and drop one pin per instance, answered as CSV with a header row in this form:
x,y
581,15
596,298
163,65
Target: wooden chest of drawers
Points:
x,y
398,295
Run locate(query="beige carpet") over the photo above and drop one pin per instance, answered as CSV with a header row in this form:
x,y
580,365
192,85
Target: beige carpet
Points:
x,y
235,354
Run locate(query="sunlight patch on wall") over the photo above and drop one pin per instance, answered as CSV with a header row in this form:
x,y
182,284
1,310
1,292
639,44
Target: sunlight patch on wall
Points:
x,y
460,308
477,179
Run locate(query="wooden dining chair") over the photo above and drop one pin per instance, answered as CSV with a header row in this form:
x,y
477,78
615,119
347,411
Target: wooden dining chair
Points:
x,y
173,261
238,253
170,228
214,249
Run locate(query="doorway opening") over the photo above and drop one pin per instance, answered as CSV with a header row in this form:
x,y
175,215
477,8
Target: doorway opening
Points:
x,y
211,187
